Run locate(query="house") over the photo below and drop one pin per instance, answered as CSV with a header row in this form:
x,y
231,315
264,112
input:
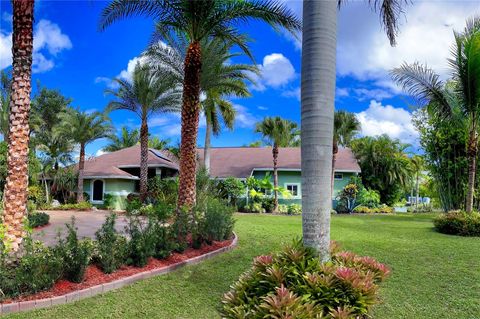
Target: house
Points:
x,y
243,162
118,173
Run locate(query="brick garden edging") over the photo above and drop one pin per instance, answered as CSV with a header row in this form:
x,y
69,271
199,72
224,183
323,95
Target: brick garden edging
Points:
x,y
113,285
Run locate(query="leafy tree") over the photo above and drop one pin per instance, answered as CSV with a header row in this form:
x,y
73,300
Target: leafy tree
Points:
x,y
463,93
277,132
145,95
126,139
385,166
198,21
83,128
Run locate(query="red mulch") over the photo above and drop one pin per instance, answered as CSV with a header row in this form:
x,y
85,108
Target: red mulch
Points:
x,y
42,227
94,276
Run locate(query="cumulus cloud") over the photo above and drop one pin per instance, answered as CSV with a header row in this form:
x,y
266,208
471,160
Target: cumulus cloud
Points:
x,y
125,74
362,94
276,71
380,119
243,118
48,42
292,93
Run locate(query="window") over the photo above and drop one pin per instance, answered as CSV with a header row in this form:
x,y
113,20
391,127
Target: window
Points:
x,y
293,189
267,192
338,176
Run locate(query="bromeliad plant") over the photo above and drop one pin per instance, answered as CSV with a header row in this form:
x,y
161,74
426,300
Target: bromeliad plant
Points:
x,y
293,283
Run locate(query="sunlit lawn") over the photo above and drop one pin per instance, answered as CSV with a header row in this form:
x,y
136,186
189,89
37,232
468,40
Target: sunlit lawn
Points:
x,y
434,275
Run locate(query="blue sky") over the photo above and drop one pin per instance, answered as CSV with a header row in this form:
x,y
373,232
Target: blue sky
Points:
x,y
72,56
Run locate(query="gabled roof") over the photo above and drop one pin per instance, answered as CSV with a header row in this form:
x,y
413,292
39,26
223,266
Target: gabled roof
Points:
x,y
109,165
241,161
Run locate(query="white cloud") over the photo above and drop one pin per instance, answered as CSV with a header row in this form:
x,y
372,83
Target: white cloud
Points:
x,y
262,108
48,42
125,74
362,94
292,93
100,152
342,92
380,119
243,118
276,71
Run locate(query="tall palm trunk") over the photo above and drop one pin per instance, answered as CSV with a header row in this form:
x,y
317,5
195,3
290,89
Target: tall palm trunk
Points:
x,y
143,159
472,167
275,176
190,118
318,94
15,205
334,160
81,168
417,190
206,150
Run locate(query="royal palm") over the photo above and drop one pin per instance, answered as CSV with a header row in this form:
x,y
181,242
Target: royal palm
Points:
x,y
198,21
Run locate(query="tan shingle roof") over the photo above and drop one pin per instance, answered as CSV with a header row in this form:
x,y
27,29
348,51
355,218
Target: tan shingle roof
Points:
x,y
109,165
240,161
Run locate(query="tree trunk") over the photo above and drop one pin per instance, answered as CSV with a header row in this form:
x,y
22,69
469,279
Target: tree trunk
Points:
x,y
15,205
472,167
417,186
334,160
206,150
318,94
81,168
275,176
190,118
143,159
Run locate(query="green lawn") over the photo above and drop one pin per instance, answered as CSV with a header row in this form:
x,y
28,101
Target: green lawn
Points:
x,y
434,275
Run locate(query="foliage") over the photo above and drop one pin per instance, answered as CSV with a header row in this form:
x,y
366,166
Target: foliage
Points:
x,y
382,209
36,194
110,252
294,209
164,240
345,127
37,219
141,246
368,198
216,220
254,207
114,202
348,197
75,253
126,139
163,190
294,283
231,189
458,223
83,206
385,166
64,182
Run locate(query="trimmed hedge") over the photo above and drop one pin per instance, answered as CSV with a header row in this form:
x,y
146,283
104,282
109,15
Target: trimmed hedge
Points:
x,y
458,223
377,210
38,219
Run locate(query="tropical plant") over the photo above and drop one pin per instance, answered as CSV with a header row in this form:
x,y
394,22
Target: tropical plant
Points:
x,y
15,193
83,128
157,143
318,97
198,21
127,138
463,93
145,95
277,132
418,164
5,87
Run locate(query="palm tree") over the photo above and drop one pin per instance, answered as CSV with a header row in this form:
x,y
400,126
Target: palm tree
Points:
x,y
198,21
15,194
83,128
126,139
462,93
345,127
417,166
157,143
277,132
147,94
55,149
318,96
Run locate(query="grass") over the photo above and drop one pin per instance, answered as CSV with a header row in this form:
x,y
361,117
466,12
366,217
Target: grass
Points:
x,y
434,275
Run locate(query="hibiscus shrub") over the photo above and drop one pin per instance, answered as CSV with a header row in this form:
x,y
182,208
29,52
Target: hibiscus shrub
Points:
x,y
458,223
295,284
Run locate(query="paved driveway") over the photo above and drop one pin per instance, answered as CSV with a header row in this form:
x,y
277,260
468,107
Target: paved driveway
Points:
x,y
86,222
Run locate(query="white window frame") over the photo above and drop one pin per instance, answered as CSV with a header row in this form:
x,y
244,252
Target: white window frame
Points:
x,y
299,192
335,176
91,191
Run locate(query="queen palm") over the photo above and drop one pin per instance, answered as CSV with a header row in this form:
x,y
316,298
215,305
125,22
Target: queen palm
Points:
x,y
198,21
318,96
345,127
277,132
15,194
127,138
462,93
83,128
146,94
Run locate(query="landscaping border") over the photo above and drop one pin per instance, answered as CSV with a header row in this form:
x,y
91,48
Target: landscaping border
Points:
x,y
113,285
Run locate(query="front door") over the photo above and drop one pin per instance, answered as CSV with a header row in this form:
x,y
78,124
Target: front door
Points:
x,y
97,190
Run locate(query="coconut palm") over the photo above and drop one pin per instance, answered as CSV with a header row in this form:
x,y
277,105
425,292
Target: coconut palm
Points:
x,y
345,127
126,139
318,96
198,21
146,94
277,132
462,93
83,128
15,194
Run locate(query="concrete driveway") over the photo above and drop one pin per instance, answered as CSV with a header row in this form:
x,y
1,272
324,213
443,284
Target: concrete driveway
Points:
x,y
87,224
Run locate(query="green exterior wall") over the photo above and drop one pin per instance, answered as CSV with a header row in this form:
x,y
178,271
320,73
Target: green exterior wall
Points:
x,y
115,187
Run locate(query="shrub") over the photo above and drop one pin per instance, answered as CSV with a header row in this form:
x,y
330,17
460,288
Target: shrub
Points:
x,y
163,236
254,207
76,254
384,209
369,198
141,245
133,203
230,189
163,190
114,202
295,284
84,206
282,209
111,247
458,223
36,194
37,219
216,221
181,228
268,204
294,209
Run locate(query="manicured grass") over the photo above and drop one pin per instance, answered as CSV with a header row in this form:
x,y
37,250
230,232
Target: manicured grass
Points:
x,y
434,275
